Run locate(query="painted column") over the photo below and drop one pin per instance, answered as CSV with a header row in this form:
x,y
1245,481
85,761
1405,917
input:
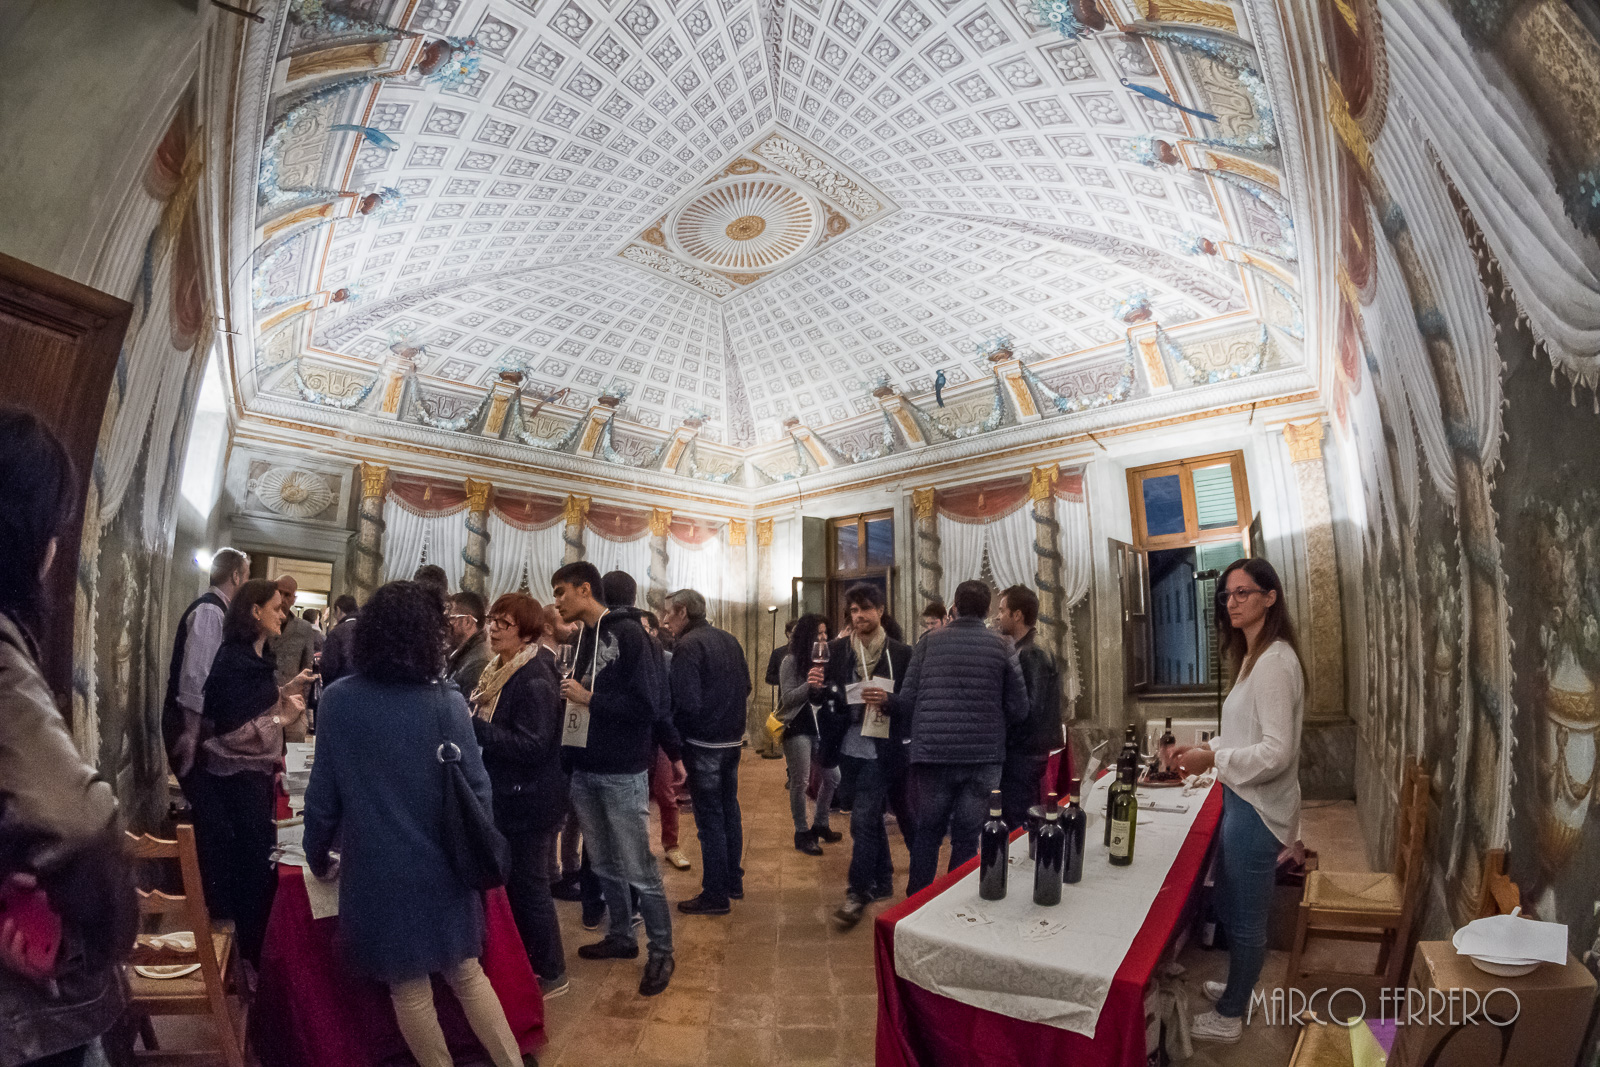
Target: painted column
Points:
x,y
930,571
766,596
1054,626
576,510
475,579
369,531
739,619
656,591
396,369
1325,661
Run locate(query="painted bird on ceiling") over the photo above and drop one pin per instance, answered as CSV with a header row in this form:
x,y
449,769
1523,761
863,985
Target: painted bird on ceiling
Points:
x,y
371,133
938,387
1159,97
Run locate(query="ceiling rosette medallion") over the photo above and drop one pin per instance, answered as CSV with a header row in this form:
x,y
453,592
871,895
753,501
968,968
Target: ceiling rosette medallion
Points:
x,y
766,211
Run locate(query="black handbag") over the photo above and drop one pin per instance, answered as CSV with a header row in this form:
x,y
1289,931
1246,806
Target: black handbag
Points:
x,y
477,851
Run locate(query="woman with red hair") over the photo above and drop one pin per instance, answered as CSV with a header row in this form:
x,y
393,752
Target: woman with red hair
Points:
x,y
517,717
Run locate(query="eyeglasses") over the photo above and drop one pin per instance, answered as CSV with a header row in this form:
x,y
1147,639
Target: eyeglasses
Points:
x,y
497,623
453,618
1237,594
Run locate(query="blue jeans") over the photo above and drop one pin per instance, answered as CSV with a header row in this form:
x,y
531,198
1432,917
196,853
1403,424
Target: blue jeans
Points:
x,y
871,869
614,814
798,750
953,795
714,788
1249,863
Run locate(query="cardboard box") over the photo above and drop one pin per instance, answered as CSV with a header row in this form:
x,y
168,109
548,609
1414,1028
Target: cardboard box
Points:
x,y
1548,1031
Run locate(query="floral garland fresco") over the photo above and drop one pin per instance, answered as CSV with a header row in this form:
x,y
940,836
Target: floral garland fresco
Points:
x,y
1241,59
312,396
1070,405
1200,376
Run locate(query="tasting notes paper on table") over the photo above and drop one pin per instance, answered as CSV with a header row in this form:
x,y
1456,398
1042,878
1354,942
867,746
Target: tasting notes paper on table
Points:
x,y
1046,965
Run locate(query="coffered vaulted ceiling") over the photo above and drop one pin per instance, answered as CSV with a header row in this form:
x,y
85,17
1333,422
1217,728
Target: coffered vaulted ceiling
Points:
x,y
756,209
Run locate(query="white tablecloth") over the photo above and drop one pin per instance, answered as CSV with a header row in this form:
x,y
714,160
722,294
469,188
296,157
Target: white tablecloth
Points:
x,y
1061,979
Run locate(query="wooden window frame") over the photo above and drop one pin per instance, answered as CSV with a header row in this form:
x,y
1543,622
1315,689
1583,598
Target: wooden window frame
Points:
x,y
1191,534
838,579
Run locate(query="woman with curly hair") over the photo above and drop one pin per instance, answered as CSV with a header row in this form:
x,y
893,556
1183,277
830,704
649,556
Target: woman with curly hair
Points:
x,y
518,722
799,718
378,789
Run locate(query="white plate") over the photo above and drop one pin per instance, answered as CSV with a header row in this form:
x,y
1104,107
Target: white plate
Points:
x,y
1500,966
161,971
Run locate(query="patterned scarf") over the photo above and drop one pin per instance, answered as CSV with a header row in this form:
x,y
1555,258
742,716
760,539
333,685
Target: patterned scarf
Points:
x,y
868,653
495,675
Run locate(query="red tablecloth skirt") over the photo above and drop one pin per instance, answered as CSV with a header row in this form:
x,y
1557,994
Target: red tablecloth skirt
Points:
x,y
917,1028
311,1011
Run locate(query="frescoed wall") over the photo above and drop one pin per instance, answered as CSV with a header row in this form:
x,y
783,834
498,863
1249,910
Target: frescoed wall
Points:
x,y
123,604
1464,402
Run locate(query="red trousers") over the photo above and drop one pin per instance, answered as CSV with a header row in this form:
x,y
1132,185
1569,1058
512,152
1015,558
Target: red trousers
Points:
x,y
665,794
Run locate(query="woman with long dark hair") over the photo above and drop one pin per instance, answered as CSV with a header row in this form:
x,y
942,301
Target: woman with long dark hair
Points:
x,y
241,750
517,718
60,835
1257,760
377,790
799,717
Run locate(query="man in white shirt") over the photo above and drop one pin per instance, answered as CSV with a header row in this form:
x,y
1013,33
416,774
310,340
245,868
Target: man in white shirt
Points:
x,y
193,648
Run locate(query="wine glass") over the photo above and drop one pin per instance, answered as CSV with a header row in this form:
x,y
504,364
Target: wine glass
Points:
x,y
566,660
819,653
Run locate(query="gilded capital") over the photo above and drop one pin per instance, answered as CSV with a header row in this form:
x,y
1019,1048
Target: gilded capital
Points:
x,y
576,510
660,519
922,502
1043,484
737,530
1304,440
763,533
374,479
478,495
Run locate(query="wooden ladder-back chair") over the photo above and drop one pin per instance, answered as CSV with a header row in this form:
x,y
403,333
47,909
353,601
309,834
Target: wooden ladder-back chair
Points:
x,y
207,991
1370,907
1498,895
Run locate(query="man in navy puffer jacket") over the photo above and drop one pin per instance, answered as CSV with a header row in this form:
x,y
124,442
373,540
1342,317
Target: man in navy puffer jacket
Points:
x,y
962,690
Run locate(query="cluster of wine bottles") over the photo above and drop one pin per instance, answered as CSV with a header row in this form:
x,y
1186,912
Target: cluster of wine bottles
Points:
x,y
1058,855
1122,803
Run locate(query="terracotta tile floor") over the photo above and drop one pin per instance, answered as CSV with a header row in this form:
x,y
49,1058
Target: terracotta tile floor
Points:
x,y
776,983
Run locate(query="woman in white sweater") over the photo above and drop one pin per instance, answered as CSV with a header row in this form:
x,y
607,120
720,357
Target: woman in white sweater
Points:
x,y
1257,758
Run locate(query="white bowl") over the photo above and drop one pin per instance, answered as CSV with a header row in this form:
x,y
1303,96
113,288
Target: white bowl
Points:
x,y
1500,966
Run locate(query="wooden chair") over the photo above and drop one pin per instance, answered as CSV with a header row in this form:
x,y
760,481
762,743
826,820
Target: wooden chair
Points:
x,y
1498,894
207,991
1377,908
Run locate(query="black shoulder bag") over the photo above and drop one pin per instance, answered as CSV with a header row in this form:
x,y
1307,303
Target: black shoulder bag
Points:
x,y
477,851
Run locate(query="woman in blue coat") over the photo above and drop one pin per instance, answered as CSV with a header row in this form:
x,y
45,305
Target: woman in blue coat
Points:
x,y
377,791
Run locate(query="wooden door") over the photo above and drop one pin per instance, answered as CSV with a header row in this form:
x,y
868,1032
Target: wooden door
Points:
x,y
1133,581
59,343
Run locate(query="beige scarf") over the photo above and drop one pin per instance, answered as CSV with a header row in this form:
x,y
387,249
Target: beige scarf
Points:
x,y
495,675
868,653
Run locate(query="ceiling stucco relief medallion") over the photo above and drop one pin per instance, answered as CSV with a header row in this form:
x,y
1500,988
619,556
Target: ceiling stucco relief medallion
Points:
x,y
746,225
298,493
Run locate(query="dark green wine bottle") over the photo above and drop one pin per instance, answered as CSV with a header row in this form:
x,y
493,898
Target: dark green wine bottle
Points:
x,y
1124,823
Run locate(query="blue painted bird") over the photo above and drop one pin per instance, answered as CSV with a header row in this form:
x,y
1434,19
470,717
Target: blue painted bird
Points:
x,y
371,133
1159,97
938,387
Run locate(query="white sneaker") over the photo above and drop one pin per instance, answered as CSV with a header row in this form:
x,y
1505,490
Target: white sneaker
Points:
x,y
1214,1027
1213,990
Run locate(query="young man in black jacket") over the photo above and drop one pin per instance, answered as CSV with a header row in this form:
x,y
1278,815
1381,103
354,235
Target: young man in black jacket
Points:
x,y
710,689
863,666
608,740
1028,744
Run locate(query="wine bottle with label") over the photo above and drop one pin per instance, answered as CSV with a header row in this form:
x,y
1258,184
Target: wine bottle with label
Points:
x,y
1124,822
1074,824
993,847
1128,759
1167,743
1048,863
